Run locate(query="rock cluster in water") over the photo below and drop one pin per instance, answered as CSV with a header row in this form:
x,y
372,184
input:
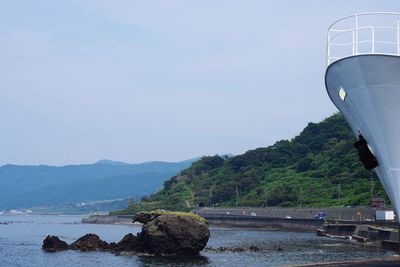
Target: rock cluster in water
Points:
x,y
53,243
161,234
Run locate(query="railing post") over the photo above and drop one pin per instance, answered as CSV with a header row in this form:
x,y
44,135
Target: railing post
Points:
x,y
373,39
398,41
358,23
328,48
356,37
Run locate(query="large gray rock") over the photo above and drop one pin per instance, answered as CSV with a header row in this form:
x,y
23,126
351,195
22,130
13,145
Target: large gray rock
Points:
x,y
129,243
145,217
53,243
173,234
162,233
89,242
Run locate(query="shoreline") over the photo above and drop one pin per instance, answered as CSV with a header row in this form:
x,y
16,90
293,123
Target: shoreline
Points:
x,y
380,260
391,261
110,219
266,224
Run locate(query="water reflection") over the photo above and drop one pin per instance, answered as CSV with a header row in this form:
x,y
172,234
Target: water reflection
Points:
x,y
198,260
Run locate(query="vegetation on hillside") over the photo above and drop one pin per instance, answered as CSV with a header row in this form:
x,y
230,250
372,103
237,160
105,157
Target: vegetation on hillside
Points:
x,y
317,168
177,213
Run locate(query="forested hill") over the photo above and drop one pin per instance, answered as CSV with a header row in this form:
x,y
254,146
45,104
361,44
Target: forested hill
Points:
x,y
319,167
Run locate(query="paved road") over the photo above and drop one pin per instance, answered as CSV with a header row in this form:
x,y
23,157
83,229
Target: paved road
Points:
x,y
342,213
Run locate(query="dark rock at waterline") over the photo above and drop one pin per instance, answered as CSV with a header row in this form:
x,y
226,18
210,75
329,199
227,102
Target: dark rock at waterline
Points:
x,y
89,242
238,249
53,243
162,234
128,243
112,246
254,249
173,234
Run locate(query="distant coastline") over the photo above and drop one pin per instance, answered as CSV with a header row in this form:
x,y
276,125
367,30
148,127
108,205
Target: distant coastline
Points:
x,y
109,219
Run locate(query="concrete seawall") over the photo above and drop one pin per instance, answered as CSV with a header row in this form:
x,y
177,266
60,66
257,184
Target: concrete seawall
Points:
x,y
263,223
231,221
341,213
384,236
290,219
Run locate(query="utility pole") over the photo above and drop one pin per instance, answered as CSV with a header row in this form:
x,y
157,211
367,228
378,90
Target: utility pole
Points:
x,y
210,201
372,187
301,196
210,198
237,195
339,193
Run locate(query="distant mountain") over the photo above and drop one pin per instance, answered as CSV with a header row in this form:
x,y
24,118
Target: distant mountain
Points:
x,y
110,162
48,186
317,168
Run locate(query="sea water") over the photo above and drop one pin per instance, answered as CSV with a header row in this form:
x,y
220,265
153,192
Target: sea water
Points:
x,y
21,239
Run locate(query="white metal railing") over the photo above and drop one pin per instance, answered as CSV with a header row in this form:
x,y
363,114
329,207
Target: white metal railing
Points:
x,y
365,33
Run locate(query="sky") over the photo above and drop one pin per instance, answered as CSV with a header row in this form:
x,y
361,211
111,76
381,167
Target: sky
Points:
x,y
140,81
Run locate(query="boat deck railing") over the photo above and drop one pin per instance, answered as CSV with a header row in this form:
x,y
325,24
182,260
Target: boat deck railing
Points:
x,y
364,33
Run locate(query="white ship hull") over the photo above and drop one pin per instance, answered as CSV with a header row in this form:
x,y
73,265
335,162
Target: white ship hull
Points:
x,y
366,90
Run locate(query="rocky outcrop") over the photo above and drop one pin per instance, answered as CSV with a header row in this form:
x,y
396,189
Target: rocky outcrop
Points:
x,y
162,233
53,243
89,242
145,217
129,243
173,234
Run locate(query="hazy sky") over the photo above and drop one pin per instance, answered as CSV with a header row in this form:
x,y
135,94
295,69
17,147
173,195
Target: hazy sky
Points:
x,y
160,80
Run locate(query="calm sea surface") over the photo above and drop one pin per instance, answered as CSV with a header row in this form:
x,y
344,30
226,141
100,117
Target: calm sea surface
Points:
x,y
21,239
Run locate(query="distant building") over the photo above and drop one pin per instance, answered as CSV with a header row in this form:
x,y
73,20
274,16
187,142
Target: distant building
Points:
x,y
377,202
